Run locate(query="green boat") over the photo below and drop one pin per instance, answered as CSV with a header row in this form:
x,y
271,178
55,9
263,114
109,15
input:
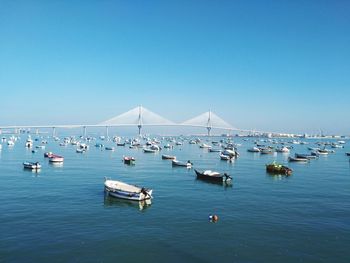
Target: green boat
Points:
x,y
278,169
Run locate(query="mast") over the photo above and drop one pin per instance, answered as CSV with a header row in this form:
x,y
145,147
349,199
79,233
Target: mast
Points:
x,y
209,123
139,126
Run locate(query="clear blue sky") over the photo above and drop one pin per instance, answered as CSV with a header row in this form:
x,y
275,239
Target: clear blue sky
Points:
x,y
268,65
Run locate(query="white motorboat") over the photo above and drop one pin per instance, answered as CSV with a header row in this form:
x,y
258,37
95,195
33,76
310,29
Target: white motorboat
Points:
x,y
31,165
126,191
205,146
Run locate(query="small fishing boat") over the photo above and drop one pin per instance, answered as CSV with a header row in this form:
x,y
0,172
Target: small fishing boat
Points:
x,y
182,164
213,176
266,151
109,148
80,150
348,153
203,145
54,158
323,152
149,150
225,157
283,150
168,157
167,146
128,160
214,150
254,150
40,147
278,169
121,144
31,165
295,159
126,191
307,156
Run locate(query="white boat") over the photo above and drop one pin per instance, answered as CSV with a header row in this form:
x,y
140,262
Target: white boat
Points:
x,y
254,150
80,150
283,150
205,146
31,165
10,143
149,150
126,191
225,157
188,164
56,158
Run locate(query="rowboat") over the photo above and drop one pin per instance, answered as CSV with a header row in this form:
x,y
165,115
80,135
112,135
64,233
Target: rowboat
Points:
x,y
126,191
148,150
56,158
31,165
109,148
254,150
182,164
266,151
278,169
213,176
283,150
214,150
168,157
128,160
225,157
295,159
203,145
307,156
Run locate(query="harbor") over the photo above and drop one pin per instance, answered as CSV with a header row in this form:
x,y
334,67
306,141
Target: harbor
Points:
x,y
64,207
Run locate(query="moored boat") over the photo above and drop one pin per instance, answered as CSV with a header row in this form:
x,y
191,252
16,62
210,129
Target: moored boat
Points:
x,y
148,150
128,160
348,154
54,158
32,165
254,150
214,150
307,156
278,169
283,150
188,164
168,157
295,159
225,157
126,191
213,176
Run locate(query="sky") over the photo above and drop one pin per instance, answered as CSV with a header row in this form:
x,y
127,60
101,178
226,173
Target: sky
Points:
x,y
279,66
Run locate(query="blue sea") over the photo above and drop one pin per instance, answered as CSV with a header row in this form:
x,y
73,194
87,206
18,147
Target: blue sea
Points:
x,y
61,213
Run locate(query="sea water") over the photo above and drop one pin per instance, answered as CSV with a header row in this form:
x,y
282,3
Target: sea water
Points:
x,y
61,213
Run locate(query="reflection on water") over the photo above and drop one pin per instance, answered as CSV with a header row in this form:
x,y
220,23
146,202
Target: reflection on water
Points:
x,y
110,201
276,176
224,184
53,164
35,172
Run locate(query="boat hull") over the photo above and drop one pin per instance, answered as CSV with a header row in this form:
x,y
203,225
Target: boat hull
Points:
x,y
129,192
217,178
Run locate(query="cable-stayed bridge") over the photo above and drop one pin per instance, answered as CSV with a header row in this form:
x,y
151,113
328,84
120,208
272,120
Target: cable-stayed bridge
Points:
x,y
140,117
